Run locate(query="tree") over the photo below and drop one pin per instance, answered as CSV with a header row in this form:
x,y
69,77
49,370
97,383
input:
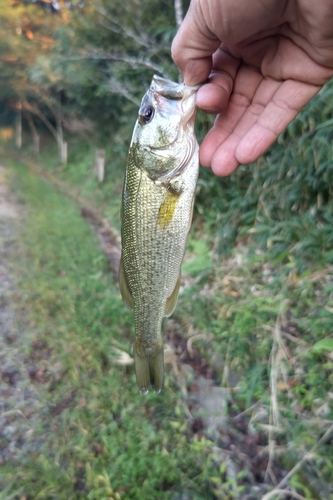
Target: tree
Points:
x,y
90,71
25,32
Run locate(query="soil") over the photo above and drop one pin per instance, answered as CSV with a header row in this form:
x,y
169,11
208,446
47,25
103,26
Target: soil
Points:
x,y
18,397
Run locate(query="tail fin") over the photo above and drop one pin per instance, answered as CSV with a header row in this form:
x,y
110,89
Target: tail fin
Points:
x,y
149,370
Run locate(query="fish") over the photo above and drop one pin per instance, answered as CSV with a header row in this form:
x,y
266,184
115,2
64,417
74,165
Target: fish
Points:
x,y
156,213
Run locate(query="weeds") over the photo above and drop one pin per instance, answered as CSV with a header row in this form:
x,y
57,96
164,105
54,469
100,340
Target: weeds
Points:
x,y
256,307
97,437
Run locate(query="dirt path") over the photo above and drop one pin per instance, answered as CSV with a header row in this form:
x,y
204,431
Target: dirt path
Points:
x,y
18,397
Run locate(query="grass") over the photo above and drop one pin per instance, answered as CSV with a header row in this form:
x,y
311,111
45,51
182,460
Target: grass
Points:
x,y
97,437
271,329
257,302
80,174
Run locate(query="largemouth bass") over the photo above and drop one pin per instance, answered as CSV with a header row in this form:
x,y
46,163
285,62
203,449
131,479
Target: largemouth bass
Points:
x,y
160,180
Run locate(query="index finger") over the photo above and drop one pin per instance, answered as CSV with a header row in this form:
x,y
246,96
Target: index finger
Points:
x,y
214,96
193,46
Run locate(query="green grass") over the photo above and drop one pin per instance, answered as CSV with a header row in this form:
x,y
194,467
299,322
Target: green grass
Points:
x,y
98,437
79,173
258,291
271,328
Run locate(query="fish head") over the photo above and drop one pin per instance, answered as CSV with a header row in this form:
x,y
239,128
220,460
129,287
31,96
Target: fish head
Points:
x,y
164,131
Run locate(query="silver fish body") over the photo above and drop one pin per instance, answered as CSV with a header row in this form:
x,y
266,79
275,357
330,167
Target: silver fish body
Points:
x,y
159,187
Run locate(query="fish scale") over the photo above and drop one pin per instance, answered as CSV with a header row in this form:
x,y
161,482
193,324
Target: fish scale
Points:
x,y
160,180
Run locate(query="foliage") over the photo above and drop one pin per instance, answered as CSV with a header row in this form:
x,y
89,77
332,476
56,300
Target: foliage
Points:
x,y
257,291
88,445
25,32
284,201
102,56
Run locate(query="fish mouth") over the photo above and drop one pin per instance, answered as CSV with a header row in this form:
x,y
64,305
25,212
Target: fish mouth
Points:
x,y
172,90
176,92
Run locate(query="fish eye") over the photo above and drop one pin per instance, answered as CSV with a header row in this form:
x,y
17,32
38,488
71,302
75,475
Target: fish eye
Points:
x,y
147,113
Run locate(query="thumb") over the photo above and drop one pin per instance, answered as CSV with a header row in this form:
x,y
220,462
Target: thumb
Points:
x,y
193,46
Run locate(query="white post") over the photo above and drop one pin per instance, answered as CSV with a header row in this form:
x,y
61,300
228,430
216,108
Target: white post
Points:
x,y
36,141
64,152
100,164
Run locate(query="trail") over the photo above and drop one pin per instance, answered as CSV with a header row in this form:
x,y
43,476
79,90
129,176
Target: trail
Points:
x,y
18,396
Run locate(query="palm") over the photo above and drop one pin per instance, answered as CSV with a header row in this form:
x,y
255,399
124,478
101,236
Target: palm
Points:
x,y
257,86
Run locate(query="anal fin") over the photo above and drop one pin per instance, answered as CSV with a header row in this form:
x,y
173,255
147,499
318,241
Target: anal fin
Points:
x,y
172,300
124,290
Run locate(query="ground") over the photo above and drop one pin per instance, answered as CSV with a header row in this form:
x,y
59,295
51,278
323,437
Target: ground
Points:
x,y
18,395
239,447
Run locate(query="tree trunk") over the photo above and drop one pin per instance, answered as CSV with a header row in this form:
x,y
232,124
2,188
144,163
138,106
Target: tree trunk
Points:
x,y
35,135
179,19
18,128
37,112
178,12
100,164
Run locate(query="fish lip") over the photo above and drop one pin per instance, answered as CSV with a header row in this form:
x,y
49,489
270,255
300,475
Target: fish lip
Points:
x,y
178,90
192,88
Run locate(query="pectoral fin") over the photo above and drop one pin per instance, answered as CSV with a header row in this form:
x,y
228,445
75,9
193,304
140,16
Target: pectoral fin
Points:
x,y
172,300
125,292
167,209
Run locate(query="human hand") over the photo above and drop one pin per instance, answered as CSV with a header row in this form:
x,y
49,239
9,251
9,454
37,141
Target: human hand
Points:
x,y
265,59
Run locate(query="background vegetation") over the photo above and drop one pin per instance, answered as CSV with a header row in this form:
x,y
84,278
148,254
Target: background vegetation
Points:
x,y
253,327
